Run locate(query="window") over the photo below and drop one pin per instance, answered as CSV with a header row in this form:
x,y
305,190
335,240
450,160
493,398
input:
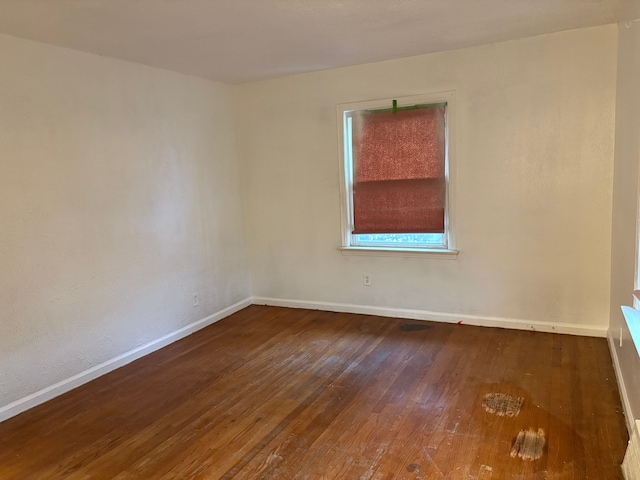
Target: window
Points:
x,y
396,175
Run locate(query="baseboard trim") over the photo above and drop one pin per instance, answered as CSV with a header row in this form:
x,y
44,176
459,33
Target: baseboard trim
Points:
x,y
626,404
48,393
477,320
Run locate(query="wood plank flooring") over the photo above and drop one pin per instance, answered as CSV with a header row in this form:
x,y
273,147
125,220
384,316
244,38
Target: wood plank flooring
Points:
x,y
279,393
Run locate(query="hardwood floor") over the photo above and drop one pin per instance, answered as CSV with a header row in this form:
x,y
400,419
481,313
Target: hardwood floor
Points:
x,y
279,393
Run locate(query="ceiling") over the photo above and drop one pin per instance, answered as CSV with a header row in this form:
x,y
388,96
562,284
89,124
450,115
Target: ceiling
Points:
x,y
242,40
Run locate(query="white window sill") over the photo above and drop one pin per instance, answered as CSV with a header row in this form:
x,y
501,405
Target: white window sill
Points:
x,y
632,316
400,252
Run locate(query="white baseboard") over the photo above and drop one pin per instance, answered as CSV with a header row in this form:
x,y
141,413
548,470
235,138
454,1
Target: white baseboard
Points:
x,y
92,373
477,320
626,404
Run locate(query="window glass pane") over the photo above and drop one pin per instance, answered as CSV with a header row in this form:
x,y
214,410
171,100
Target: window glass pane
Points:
x,y
400,239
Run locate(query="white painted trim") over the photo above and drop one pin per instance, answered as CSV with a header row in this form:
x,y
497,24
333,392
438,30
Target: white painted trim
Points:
x,y
92,373
626,404
477,320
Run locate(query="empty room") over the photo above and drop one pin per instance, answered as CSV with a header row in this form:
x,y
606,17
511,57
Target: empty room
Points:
x,y
314,239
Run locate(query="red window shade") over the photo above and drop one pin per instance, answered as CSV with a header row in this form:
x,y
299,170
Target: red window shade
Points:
x,y
399,171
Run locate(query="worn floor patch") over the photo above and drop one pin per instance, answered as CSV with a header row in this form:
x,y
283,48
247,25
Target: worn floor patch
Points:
x,y
413,327
529,445
502,404
414,467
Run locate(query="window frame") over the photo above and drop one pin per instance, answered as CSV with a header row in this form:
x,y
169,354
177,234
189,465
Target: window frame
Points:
x,y
346,178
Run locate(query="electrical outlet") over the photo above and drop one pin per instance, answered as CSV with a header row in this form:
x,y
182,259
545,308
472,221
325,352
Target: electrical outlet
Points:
x,y
366,279
196,300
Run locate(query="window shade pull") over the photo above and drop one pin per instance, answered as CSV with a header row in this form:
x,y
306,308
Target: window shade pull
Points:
x,y
395,107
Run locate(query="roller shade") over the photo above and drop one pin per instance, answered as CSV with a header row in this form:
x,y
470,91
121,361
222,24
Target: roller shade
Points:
x,y
399,183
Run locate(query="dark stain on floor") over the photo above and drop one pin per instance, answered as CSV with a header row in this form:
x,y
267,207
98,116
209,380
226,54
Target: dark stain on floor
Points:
x,y
413,327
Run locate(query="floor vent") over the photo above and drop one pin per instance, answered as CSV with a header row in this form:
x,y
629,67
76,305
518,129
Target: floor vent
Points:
x,y
631,463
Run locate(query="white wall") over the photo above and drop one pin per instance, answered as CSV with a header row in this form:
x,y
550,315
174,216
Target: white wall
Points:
x,y
625,211
535,134
119,199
